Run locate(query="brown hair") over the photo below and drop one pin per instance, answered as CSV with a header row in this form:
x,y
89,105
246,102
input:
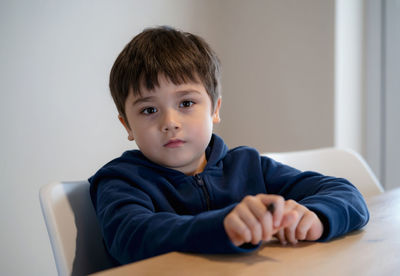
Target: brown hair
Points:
x,y
180,56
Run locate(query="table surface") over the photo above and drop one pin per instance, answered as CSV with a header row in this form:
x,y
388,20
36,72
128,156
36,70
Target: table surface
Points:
x,y
374,250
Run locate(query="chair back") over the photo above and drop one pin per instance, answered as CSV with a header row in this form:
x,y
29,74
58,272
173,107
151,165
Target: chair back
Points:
x,y
73,229
334,162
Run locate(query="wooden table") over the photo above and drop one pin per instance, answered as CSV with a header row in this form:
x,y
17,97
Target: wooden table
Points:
x,y
375,250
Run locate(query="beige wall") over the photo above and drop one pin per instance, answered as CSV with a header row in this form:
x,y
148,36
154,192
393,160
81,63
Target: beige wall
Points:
x,y
58,121
278,74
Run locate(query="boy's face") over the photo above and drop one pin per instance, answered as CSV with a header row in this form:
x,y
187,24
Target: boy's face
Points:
x,y
172,124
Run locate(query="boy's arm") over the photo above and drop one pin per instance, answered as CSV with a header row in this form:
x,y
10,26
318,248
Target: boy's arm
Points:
x,y
338,204
132,230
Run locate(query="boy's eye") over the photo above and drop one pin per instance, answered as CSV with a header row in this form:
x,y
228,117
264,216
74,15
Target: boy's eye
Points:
x,y
149,110
186,104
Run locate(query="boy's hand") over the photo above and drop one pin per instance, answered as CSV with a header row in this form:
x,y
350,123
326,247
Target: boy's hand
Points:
x,y
250,221
307,225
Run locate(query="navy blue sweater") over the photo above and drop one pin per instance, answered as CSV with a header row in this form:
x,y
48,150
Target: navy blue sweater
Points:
x,y
145,210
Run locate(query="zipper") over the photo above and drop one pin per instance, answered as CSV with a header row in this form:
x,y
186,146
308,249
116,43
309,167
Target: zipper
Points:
x,y
202,185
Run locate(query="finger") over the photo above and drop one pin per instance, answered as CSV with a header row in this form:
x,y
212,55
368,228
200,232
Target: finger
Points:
x,y
316,229
252,223
237,230
304,226
281,237
290,235
236,239
289,218
292,219
259,210
267,227
256,206
278,203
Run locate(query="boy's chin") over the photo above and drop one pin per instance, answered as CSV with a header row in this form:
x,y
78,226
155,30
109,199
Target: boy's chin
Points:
x,y
188,169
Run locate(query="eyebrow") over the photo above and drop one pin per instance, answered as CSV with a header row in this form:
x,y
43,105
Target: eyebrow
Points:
x,y
181,93
143,100
186,92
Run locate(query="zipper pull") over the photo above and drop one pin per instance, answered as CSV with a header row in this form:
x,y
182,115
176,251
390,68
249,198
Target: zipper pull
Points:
x,y
199,180
203,187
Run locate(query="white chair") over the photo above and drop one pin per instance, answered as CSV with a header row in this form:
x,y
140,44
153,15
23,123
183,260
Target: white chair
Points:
x,y
73,229
334,162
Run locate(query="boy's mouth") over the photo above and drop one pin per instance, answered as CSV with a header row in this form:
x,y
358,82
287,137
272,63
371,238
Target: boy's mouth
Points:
x,y
174,143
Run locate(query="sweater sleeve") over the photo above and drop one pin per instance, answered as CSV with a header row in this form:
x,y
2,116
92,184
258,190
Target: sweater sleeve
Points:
x,y
337,202
133,230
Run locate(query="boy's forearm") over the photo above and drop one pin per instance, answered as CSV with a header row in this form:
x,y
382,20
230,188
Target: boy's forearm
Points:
x,y
144,234
340,213
338,204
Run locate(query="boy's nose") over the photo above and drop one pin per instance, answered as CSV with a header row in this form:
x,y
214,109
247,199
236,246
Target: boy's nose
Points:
x,y
170,122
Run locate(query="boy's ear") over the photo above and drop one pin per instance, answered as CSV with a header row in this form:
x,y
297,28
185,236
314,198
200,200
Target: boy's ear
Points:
x,y
216,117
126,126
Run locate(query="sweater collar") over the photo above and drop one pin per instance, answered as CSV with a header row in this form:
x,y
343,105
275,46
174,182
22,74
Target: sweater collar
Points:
x,y
215,151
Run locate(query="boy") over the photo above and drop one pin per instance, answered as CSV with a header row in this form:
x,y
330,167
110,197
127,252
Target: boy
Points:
x,y
183,190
